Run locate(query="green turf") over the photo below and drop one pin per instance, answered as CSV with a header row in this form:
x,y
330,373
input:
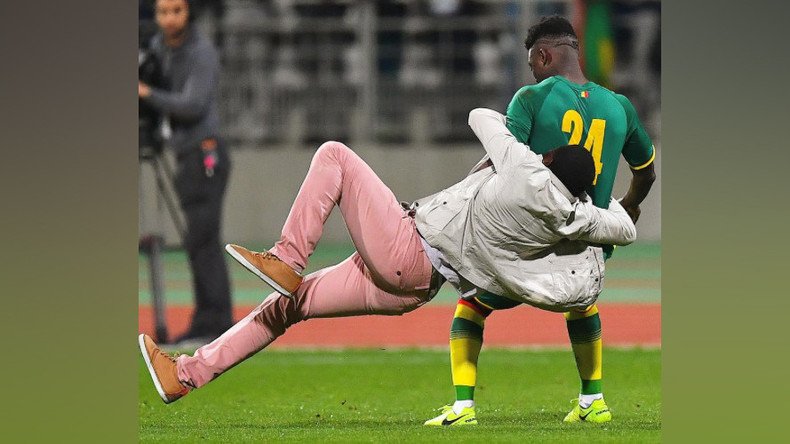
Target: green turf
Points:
x,y
632,275
385,395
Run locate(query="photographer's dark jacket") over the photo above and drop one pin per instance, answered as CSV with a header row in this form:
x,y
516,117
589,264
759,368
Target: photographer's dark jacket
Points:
x,y
190,101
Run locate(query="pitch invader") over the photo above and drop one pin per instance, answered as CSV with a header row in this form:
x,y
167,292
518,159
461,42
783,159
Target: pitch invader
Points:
x,y
563,107
393,270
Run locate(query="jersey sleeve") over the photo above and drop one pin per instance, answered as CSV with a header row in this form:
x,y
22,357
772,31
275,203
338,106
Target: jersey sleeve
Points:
x,y
520,114
638,149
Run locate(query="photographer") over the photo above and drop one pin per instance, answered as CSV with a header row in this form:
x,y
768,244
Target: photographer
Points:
x,y
190,67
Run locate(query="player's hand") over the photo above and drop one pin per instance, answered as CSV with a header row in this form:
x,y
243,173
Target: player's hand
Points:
x,y
143,90
633,212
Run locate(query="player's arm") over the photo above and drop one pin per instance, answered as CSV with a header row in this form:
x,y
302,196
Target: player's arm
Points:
x,y
191,103
612,226
640,154
520,114
500,145
641,182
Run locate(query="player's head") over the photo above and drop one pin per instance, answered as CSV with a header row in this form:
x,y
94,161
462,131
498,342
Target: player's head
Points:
x,y
574,167
172,16
548,43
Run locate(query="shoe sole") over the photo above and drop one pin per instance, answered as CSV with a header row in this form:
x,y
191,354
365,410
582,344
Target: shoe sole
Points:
x,y
144,351
578,419
240,259
454,424
435,422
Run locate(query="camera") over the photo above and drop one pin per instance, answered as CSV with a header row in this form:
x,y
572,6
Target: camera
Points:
x,y
149,70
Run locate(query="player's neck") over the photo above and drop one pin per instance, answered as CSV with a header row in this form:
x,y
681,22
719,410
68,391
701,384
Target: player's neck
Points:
x,y
573,72
575,77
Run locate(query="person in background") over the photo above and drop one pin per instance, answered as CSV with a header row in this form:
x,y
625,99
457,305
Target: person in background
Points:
x,y
190,65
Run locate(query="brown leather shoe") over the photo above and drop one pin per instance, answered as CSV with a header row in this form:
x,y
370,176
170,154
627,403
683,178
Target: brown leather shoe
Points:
x,y
268,267
162,368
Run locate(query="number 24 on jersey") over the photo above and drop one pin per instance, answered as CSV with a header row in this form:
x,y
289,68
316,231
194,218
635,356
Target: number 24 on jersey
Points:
x,y
573,124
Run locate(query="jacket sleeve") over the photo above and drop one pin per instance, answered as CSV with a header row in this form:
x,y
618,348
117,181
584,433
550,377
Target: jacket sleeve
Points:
x,y
638,149
610,226
501,146
193,101
485,162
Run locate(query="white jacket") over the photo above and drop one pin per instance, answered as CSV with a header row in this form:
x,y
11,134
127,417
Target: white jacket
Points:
x,y
515,230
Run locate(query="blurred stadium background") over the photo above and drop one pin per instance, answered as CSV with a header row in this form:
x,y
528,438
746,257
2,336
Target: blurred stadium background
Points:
x,y
395,80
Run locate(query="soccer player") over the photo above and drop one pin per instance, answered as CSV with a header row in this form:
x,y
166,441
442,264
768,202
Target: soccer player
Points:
x,y
563,107
510,228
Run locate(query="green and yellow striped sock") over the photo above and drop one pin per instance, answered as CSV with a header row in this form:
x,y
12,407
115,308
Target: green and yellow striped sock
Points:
x,y
466,340
584,330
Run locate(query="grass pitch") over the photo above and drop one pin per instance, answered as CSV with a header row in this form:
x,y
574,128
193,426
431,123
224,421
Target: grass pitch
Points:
x,y
385,395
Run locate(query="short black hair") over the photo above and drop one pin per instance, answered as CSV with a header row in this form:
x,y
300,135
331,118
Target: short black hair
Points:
x,y
574,167
550,27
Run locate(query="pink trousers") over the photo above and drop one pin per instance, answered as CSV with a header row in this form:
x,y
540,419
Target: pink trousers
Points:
x,y
389,274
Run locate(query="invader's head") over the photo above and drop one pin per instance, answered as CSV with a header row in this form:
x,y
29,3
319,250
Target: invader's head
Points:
x,y
574,167
551,45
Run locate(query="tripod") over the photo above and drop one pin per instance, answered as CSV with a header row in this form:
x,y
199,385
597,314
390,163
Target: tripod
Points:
x,y
151,243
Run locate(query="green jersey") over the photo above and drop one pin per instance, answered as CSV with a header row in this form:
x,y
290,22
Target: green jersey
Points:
x,y
557,112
